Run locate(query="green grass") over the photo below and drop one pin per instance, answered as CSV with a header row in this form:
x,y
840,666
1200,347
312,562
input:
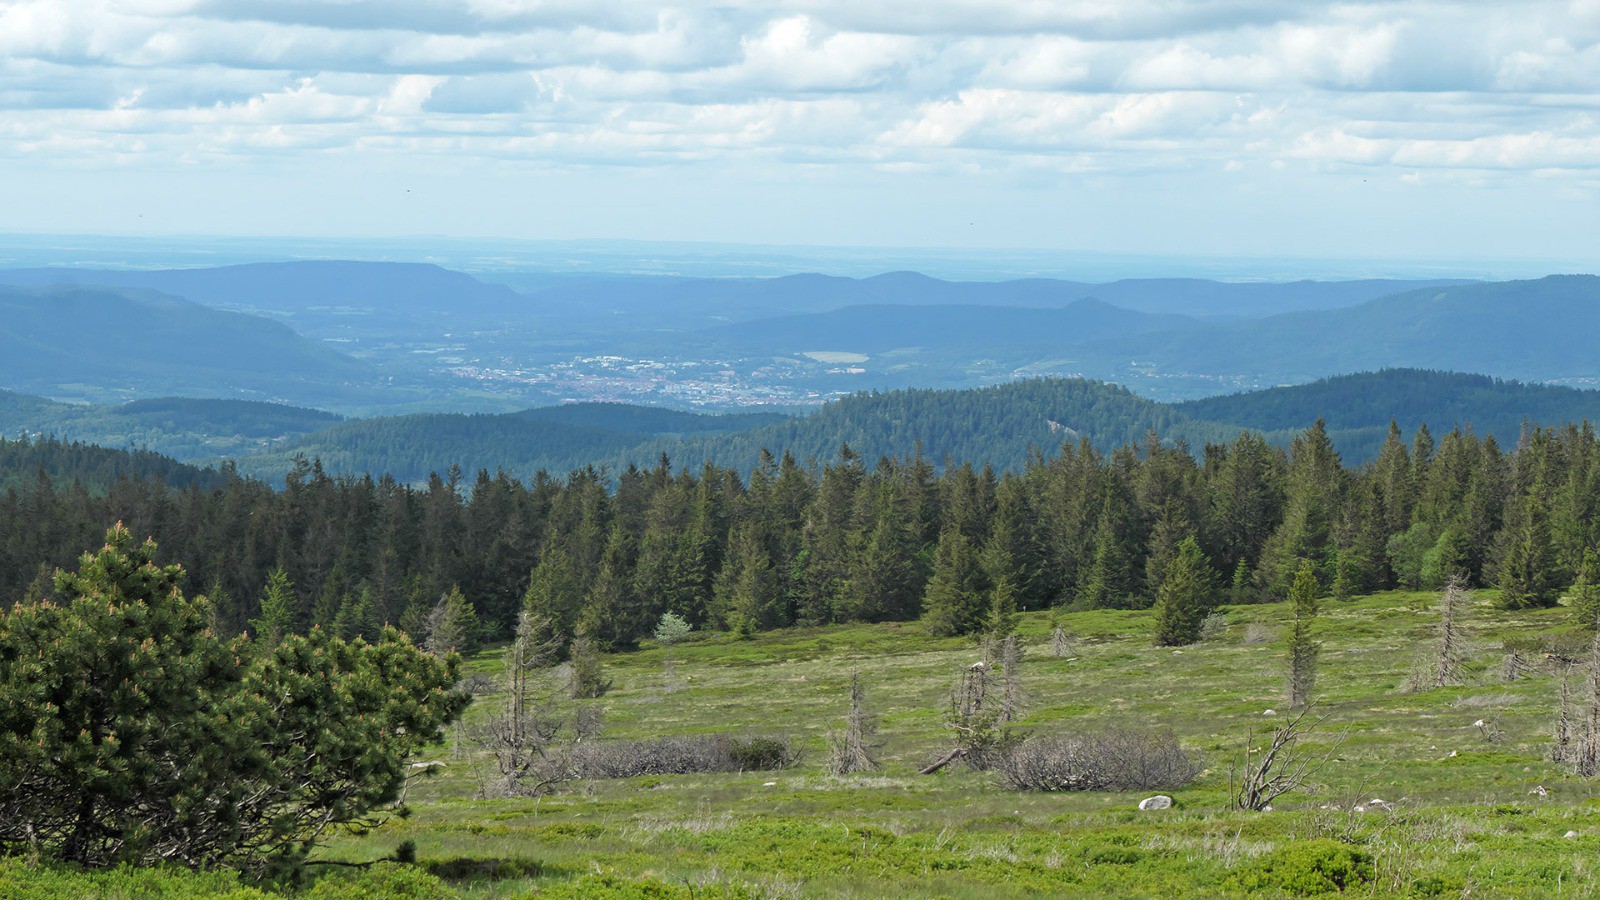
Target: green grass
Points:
x,y
1464,816
1462,821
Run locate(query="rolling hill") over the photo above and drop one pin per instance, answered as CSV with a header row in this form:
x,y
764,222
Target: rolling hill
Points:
x,y
182,428
1002,425
98,343
1531,330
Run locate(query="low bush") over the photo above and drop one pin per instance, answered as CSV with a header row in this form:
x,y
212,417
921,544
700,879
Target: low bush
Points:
x,y
1308,868
684,755
1110,759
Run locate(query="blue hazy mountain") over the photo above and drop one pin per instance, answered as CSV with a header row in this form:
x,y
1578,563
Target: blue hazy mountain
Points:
x,y
1540,330
97,343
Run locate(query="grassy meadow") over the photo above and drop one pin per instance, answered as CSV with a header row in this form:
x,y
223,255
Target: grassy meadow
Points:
x,y
1469,809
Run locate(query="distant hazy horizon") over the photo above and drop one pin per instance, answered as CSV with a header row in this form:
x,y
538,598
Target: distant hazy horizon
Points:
x,y
490,255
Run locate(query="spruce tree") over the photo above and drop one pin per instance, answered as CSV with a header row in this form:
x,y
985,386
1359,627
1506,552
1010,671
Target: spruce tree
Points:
x,y
278,604
1585,594
1302,649
1110,582
955,602
452,626
1527,579
1186,595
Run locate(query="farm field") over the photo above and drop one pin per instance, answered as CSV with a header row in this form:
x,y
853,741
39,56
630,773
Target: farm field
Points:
x,y
1472,804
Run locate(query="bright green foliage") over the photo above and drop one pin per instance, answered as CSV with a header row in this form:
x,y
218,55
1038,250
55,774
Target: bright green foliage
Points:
x,y
1584,598
1188,592
452,626
554,591
672,628
1308,868
957,594
278,604
1239,589
1302,649
129,731
1315,488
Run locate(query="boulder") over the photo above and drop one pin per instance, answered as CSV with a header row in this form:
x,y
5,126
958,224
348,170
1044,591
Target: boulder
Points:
x,y
1159,801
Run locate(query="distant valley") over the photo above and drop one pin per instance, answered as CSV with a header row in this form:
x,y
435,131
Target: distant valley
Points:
x,y
405,337
1002,425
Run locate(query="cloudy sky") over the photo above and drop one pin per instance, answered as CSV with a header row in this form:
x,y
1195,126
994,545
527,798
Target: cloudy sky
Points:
x,y
1458,130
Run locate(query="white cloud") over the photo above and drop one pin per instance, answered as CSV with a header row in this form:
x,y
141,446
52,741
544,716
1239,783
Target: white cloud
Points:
x,y
884,89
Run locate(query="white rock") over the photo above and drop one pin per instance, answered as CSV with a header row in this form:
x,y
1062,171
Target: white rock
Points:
x,y
1478,724
1177,653
769,784
1539,789
1159,801
1270,712
1452,753
1570,834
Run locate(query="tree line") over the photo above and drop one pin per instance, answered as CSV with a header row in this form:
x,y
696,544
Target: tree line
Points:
x,y
956,545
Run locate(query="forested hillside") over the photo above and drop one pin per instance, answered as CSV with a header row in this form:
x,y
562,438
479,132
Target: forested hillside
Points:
x,y
183,428
1001,426
28,463
854,540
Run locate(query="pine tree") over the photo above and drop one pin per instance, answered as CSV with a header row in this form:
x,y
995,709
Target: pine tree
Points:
x,y
1186,595
1302,649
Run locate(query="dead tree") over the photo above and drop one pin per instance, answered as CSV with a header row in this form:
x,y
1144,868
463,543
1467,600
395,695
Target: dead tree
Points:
x,y
1447,668
852,749
1011,698
1060,642
1584,748
1277,767
527,739
974,719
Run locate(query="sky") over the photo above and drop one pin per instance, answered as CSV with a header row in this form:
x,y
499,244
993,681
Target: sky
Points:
x,y
1465,130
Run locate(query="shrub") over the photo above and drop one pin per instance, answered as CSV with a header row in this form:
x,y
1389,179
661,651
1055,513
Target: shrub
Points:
x,y
380,882
1307,868
131,732
1112,759
684,755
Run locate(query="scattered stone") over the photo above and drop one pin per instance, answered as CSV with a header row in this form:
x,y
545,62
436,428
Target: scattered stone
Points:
x,y
1266,809
1571,834
1177,653
1452,753
428,765
1479,724
1270,712
1159,801
769,784
1539,789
